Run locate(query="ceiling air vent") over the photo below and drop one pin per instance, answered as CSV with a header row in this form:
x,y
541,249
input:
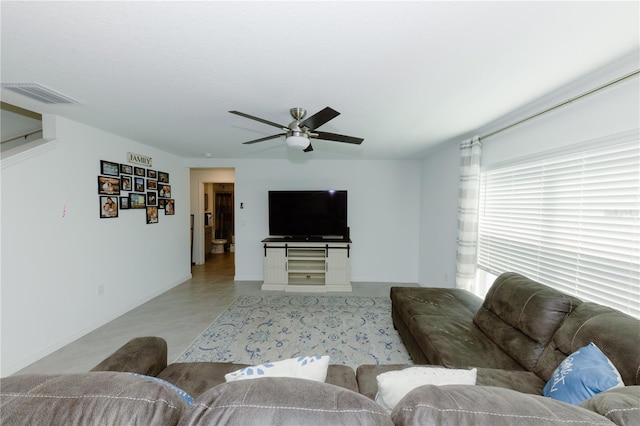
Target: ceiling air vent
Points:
x,y
39,93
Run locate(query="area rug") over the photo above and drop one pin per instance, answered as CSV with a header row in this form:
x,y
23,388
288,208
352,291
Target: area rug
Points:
x,y
258,329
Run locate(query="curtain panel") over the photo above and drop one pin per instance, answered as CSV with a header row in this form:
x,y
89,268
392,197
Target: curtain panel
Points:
x,y
467,235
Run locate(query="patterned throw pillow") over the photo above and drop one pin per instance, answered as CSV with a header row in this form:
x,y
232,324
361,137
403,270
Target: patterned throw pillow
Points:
x,y
395,385
304,367
581,375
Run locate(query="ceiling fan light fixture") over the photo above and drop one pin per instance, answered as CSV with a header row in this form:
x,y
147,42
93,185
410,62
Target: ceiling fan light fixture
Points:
x,y
297,141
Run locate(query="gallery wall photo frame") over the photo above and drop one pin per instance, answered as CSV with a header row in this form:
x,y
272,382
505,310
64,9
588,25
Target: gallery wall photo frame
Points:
x,y
163,177
164,191
108,207
139,171
152,174
109,168
138,184
124,203
152,184
108,185
137,201
152,214
126,169
170,207
152,199
126,183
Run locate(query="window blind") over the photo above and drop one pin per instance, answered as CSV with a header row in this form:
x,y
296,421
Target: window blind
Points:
x,y
571,222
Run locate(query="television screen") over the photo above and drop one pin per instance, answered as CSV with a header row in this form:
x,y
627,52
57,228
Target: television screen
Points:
x,y
308,213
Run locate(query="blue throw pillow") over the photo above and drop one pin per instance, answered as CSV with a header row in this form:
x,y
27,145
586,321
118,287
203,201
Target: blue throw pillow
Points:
x,y
581,375
188,399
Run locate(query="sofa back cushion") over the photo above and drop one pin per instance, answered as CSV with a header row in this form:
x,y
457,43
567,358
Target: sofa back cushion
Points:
x,y
616,334
521,316
283,401
100,398
462,405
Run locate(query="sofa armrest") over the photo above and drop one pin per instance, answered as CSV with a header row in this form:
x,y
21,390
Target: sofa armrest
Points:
x,y
142,355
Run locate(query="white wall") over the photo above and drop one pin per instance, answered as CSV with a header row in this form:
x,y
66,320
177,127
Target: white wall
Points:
x,y
56,250
610,111
439,218
383,211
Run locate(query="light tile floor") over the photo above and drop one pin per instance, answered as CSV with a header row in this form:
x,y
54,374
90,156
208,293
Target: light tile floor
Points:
x,y
178,315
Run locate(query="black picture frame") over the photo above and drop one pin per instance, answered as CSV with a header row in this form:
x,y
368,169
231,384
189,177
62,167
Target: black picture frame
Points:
x,y
152,198
126,169
126,183
152,214
109,168
108,185
170,207
108,207
161,203
138,171
152,184
137,201
138,184
124,203
163,177
164,191
152,174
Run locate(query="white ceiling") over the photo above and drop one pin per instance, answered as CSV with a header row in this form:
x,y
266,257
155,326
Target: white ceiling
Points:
x,y
404,75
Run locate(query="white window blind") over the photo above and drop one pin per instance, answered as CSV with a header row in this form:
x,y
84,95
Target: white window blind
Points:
x,y
571,221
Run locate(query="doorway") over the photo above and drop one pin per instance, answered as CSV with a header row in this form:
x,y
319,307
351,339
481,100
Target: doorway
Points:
x,y
212,207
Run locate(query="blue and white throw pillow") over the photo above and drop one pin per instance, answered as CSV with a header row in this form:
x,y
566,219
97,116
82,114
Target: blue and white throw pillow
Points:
x,y
188,399
581,375
304,367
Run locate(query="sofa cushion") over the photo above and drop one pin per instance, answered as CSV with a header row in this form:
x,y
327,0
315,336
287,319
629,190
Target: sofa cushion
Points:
x,y
108,398
456,342
521,316
461,405
583,374
197,377
620,405
412,301
616,334
283,401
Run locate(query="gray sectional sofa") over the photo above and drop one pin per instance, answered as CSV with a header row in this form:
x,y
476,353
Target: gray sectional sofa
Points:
x,y
515,338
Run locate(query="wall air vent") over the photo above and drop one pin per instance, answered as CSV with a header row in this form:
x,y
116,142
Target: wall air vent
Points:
x,y
39,93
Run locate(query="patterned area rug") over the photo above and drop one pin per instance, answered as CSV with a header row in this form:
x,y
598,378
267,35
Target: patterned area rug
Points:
x,y
258,329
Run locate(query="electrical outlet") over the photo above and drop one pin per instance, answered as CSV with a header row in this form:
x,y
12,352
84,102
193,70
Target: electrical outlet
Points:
x,y
100,289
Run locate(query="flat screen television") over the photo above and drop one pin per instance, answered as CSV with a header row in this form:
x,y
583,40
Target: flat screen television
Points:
x,y
308,214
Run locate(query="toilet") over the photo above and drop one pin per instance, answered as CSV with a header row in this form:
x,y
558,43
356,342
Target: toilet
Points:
x,y
218,245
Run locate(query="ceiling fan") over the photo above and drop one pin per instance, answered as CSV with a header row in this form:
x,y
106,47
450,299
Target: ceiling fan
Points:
x,y
300,131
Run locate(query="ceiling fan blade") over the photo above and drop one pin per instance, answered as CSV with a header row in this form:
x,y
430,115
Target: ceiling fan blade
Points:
x,y
266,138
308,149
262,120
319,118
338,138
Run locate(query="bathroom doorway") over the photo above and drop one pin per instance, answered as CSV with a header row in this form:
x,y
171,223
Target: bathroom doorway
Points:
x,y
212,206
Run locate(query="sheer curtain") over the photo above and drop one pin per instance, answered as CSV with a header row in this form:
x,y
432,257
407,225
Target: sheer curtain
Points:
x,y
468,213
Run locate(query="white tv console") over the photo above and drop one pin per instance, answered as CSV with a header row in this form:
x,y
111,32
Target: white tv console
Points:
x,y
312,265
